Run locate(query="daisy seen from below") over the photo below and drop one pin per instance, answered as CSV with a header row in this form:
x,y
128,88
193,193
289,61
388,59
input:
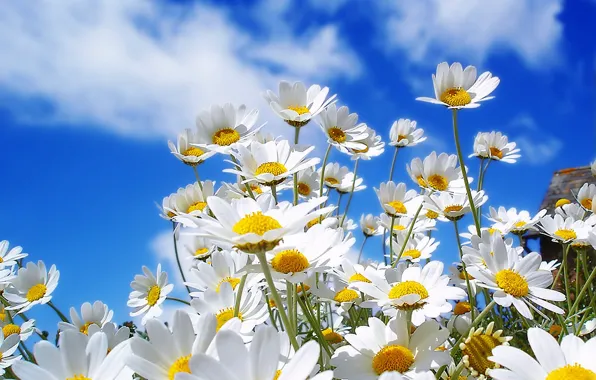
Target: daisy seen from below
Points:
x,y
563,229
339,125
24,331
226,266
199,248
396,200
369,224
192,199
8,258
97,314
271,163
308,183
519,222
379,348
403,133
240,190
296,105
585,195
572,359
220,128
418,247
454,206
32,286
349,185
115,335
402,224
149,292
457,88
495,146
477,348
334,174
186,151
372,146
439,173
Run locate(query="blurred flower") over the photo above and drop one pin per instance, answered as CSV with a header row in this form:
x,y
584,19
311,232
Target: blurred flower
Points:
x,y
372,146
495,146
477,348
97,314
186,151
369,224
437,173
9,258
33,285
339,125
454,206
403,133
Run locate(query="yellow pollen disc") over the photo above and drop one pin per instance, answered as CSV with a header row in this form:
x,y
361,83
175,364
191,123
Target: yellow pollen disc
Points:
x,y
193,151
170,214
271,303
225,137
455,97
492,230
225,315
463,274
300,110
406,288
300,288
575,372
201,251
398,207
392,358
453,208
399,227
566,234
496,152
555,330
441,348
401,137
312,222
587,203
430,214
336,134
10,329
331,336
230,280
421,181
357,277
289,261
274,168
364,150
180,365
78,377
153,295
1,260
462,307
256,189
478,349
255,223
36,292
277,374
197,206
331,181
346,295
437,182
303,189
2,315
85,328
512,283
519,224
413,253
562,202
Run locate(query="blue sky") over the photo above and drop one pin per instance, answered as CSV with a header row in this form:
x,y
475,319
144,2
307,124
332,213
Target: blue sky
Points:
x,y
88,101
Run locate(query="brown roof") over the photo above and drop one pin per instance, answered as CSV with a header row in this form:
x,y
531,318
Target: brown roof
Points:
x,y
565,181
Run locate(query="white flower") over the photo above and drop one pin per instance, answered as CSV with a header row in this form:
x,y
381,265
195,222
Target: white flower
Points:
x,y
403,133
378,348
9,258
369,224
396,200
518,222
349,272
573,359
457,276
309,183
32,286
457,88
224,127
115,335
495,146
185,150
437,173
24,331
372,146
339,125
271,163
199,248
296,105
8,346
240,190
454,206
565,230
334,174
149,292
585,195
192,199
461,320
419,247
549,266
97,314
402,225
345,186
477,347
336,291
225,266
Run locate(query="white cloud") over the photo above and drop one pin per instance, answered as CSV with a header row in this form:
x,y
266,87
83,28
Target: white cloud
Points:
x,y
146,68
537,148
162,247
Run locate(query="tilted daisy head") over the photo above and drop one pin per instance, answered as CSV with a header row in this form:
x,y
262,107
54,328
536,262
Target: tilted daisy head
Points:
x,y
192,199
8,257
396,200
149,292
403,133
437,172
341,128
33,285
369,224
372,146
564,229
477,348
308,183
418,247
495,146
334,174
97,314
186,151
454,206
585,195
225,266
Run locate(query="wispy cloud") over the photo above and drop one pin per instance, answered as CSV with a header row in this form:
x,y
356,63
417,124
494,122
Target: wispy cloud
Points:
x,y
536,148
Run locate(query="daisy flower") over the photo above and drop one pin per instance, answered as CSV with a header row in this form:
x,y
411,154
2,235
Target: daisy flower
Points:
x,y
550,265
240,190
457,277
115,335
402,225
337,292
437,173
378,348
32,286
222,127
263,137
495,146
369,224
403,133
309,183
24,331
519,222
585,195
225,266
458,88
461,320
454,206
185,150
450,371
271,163
345,186
191,199
424,291
97,314
297,105
8,258
477,348
8,346
334,174
349,272
517,281
168,206
563,230
573,359
372,146
149,292
419,247
396,200
339,125
199,248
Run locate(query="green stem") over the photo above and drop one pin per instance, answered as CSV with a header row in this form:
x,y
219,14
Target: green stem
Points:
x,y
338,202
198,178
566,279
271,316
242,178
62,316
274,192
471,297
393,164
314,324
582,292
178,300
296,137
239,295
178,256
565,251
351,193
391,240
323,170
361,248
403,248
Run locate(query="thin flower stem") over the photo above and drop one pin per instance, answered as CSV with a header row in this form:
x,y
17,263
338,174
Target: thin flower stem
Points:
x,y
306,308
361,248
393,164
178,257
403,248
323,170
239,295
26,353
565,250
582,292
274,192
391,240
339,197
271,316
242,178
198,178
566,279
351,193
471,297
62,316
178,300
476,321
290,301
296,137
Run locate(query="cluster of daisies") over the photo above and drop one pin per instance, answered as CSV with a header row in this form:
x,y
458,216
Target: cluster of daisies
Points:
x,y
275,288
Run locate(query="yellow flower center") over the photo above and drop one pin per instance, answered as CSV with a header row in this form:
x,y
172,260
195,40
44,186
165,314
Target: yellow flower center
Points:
x,y
401,137
274,168
300,110
170,214
277,374
255,223
10,329
303,189
363,150
562,202
36,292
78,377
406,288
555,330
226,136
255,188
180,365
3,315
1,260
587,203
512,283
336,134
331,181
290,261
463,274
225,315
430,214
462,307
312,222
478,349
413,253
398,207
85,328
571,372
437,182
492,230
455,97
392,358
197,206
566,234
496,152
301,289
153,295
421,181
399,227
230,280
519,224
346,295
331,336
193,151
201,251
357,277
453,208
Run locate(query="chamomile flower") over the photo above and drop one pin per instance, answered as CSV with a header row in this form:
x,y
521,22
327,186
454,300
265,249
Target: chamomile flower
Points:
x,y
271,163
439,173
519,222
378,348
32,286
115,335
402,224
419,247
349,272
372,146
550,265
334,174
240,190
495,146
24,331
396,200
297,105
461,320
457,277
477,348
8,258
199,248
403,133
168,207
308,183
572,359
8,346
585,195
192,199
149,292
337,292
458,88
97,314
339,125
564,230
186,151
454,206
226,266
369,224
450,371
223,127
345,186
